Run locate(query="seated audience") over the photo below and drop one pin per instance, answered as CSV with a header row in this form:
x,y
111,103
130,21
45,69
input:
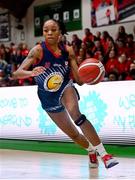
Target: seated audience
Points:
x,y
117,55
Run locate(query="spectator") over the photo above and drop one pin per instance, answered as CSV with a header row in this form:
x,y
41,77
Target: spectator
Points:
x,y
76,43
122,66
98,35
130,45
81,56
112,63
121,34
111,45
24,51
88,38
98,47
113,76
89,54
63,40
2,78
121,48
104,37
84,47
2,51
131,75
7,55
16,58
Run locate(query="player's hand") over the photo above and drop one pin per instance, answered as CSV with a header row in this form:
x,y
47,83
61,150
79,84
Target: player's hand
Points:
x,y
38,70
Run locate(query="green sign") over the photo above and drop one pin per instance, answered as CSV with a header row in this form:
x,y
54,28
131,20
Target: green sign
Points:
x,y
69,13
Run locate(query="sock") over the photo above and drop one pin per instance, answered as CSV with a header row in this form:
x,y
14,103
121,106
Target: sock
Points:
x,y
100,149
90,148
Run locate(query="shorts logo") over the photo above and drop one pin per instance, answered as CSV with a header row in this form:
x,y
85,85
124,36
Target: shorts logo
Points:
x,y
53,82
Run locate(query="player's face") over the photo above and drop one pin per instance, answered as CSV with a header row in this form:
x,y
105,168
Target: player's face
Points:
x,y
51,31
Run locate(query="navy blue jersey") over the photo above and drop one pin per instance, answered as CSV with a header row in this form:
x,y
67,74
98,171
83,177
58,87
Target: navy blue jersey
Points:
x,y
53,81
57,68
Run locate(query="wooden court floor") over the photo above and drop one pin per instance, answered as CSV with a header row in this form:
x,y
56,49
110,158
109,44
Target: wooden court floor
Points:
x,y
28,165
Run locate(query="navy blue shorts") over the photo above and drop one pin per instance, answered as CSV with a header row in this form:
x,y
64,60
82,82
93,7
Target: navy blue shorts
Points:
x,y
51,101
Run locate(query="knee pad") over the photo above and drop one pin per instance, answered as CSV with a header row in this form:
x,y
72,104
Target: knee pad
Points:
x,y
80,120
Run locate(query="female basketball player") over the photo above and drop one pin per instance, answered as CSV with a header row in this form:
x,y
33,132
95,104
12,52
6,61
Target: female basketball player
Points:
x,y
52,65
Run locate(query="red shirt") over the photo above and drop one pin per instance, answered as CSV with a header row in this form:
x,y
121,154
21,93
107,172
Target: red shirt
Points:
x,y
25,52
111,65
121,50
122,67
88,38
129,78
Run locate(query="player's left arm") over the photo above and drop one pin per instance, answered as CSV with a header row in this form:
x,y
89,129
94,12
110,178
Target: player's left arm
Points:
x,y
73,65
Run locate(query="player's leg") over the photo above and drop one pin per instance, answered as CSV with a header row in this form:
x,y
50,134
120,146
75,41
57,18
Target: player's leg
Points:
x,y
93,160
70,101
63,121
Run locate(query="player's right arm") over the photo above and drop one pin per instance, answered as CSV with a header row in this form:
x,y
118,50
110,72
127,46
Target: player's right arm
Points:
x,y
23,71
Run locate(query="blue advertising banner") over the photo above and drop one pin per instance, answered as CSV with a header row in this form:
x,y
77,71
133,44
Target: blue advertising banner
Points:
x,y
109,106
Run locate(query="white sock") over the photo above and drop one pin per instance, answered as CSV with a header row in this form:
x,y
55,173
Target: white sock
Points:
x,y
90,148
100,149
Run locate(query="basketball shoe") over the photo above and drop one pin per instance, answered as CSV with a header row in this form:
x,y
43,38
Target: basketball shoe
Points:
x,y
109,161
93,160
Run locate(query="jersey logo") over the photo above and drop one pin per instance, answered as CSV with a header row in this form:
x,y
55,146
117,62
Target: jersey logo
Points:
x,y
53,82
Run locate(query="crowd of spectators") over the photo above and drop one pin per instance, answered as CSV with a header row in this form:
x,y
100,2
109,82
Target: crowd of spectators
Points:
x,y
117,55
10,59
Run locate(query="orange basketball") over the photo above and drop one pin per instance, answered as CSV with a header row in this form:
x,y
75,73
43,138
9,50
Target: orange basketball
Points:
x,y
91,71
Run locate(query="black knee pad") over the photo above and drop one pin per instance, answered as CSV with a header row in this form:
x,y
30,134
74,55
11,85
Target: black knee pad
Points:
x,y
80,120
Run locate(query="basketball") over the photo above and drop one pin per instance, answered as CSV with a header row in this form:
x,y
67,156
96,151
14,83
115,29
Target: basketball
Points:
x,y
91,71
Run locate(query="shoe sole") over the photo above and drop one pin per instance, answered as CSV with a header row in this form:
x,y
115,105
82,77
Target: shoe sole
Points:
x,y
112,164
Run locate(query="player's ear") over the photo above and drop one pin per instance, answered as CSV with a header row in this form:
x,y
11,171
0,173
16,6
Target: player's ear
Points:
x,y
60,36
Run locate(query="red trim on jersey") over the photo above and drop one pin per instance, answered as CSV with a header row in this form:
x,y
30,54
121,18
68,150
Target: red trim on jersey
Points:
x,y
49,48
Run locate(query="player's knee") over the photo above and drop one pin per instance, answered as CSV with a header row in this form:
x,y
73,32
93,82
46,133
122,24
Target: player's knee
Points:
x,y
80,120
